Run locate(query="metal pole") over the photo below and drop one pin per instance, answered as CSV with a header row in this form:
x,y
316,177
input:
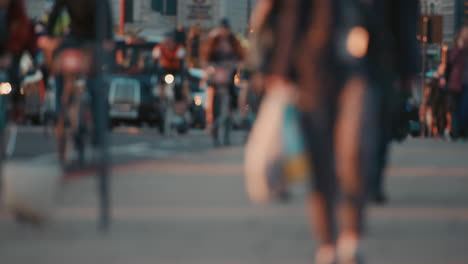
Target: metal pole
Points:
x,y
103,158
122,18
100,119
423,68
249,14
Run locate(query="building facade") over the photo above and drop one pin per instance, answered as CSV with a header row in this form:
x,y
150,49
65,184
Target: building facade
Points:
x,y
454,13
156,16
153,17
446,8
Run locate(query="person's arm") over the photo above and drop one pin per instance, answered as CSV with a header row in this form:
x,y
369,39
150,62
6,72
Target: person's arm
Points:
x,y
54,14
260,14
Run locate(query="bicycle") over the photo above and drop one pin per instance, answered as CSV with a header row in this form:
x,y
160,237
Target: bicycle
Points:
x,y
221,79
82,125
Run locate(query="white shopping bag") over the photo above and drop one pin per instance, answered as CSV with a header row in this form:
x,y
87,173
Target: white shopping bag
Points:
x,y
264,158
275,156
30,190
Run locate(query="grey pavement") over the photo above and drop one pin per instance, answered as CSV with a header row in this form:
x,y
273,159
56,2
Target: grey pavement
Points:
x,y
192,209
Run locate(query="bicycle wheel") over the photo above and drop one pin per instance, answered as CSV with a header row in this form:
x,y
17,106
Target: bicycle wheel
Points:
x,y
83,137
217,125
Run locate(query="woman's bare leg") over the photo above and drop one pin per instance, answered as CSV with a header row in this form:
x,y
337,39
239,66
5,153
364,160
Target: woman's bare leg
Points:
x,y
348,154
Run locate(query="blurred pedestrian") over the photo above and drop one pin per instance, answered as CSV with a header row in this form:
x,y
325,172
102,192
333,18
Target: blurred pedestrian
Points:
x,y
393,61
181,35
18,37
438,102
332,52
193,46
458,84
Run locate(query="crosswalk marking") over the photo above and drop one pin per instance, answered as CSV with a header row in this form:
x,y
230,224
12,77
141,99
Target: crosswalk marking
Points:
x,y
141,149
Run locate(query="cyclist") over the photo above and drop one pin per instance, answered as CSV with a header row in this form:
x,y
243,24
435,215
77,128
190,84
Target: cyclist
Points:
x,y
171,59
223,49
90,27
325,50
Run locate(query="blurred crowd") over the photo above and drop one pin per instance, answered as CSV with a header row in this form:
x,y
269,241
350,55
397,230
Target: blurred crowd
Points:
x,y
445,106
348,69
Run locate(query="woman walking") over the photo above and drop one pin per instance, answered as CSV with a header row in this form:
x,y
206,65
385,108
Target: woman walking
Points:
x,y
326,50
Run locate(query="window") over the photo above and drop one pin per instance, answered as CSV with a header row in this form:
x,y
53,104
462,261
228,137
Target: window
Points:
x,y
157,5
171,7
165,7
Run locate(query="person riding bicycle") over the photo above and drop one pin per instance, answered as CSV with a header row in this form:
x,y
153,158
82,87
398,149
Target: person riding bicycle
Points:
x,y
223,50
90,32
171,61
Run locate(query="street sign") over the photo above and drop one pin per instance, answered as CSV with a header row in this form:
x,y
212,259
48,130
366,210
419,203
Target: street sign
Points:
x,y
200,10
203,12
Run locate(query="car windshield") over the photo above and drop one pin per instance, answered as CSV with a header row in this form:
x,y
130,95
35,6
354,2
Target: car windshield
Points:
x,y
134,59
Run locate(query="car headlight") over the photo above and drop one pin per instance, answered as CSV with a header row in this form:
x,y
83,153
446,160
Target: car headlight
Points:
x,y
198,100
5,88
169,78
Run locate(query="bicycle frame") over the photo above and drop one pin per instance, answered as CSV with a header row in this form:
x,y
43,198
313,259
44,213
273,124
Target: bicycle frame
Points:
x,y
74,65
220,79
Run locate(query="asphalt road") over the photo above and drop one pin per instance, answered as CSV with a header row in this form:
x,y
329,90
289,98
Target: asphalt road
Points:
x,y
128,144
191,208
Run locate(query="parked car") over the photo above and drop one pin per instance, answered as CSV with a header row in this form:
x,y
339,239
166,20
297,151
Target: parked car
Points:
x,y
131,100
132,95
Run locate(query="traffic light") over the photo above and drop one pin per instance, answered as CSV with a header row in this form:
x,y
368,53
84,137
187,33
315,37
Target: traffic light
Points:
x,y
434,28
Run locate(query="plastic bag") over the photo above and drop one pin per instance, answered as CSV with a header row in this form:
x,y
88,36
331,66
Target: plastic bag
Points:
x,y
274,155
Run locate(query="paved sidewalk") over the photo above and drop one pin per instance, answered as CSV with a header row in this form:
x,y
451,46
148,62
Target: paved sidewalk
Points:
x,y
192,209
